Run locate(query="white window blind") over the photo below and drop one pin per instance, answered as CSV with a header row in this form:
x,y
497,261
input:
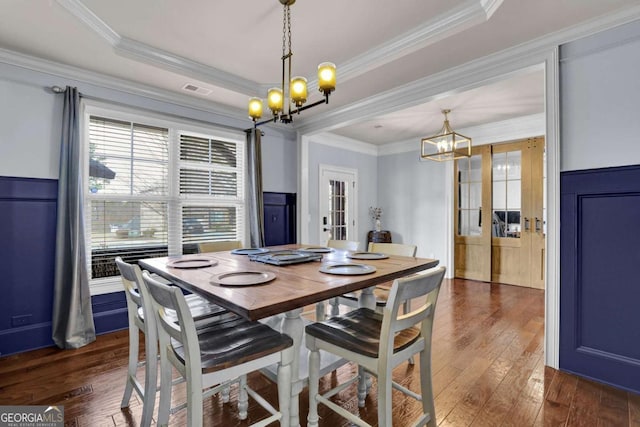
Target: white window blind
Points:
x,y
211,189
154,190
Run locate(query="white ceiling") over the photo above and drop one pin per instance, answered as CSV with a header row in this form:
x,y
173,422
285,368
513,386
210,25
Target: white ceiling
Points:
x,y
232,48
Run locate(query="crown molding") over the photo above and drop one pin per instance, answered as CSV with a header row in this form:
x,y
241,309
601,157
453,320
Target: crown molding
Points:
x,y
344,143
489,133
143,52
473,74
507,130
108,82
622,35
148,54
490,6
466,15
90,19
458,19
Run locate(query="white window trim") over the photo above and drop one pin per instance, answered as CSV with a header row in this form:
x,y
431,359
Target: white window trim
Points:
x,y
174,202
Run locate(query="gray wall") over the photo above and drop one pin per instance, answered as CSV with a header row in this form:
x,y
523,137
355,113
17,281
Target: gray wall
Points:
x,y
30,123
412,195
600,89
30,117
279,162
365,164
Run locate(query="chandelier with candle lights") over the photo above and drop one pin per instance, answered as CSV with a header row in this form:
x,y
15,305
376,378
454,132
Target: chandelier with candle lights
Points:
x,y
292,92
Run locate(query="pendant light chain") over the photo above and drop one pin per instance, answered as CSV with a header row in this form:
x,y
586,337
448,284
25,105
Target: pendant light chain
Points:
x,y
284,31
289,27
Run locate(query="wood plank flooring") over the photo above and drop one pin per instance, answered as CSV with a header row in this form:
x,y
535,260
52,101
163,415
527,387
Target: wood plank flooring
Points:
x,y
488,370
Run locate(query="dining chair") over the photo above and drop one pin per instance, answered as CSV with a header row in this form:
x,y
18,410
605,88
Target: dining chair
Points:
x,y
399,249
208,358
140,314
348,245
381,292
377,343
219,246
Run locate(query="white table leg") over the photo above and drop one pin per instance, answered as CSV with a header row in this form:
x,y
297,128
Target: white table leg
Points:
x,y
367,298
321,311
293,326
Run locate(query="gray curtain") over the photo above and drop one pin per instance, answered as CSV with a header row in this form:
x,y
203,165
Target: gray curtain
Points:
x,y
254,189
72,323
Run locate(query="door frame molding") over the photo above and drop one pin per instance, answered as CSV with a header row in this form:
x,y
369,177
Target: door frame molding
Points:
x,y
514,61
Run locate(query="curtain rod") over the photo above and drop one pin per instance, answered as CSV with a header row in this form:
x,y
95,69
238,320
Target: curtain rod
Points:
x,y
58,89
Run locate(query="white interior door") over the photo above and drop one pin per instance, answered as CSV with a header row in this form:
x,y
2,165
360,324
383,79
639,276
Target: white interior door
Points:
x,y
337,204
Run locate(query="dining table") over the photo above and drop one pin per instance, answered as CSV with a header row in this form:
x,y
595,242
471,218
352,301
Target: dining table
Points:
x,y
277,294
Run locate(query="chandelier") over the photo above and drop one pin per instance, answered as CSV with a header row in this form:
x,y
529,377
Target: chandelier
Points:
x,y
295,90
449,145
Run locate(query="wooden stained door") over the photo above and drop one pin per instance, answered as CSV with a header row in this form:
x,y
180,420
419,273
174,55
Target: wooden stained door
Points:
x,y
472,225
517,238
502,185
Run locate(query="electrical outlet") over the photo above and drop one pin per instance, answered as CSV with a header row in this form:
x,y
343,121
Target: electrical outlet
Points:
x,y
21,320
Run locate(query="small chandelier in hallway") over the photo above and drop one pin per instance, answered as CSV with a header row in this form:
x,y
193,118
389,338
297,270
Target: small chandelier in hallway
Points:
x,y
449,145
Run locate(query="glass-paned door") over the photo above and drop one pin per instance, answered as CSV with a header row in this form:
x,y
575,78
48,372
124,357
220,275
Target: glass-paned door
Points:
x,y
337,209
472,225
517,201
507,194
499,214
337,203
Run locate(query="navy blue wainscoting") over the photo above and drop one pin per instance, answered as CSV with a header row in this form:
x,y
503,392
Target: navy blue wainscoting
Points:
x,y
27,251
600,275
27,230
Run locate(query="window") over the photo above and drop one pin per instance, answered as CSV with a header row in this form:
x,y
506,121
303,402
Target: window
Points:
x,y
157,188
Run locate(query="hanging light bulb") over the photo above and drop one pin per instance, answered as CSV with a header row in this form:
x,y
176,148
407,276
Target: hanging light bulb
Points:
x,y
255,108
298,90
274,100
326,77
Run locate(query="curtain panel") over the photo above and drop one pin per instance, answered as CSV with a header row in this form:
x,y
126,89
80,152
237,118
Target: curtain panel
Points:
x,y
255,203
72,323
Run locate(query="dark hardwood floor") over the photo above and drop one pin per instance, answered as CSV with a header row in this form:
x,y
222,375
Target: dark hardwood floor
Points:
x,y
488,370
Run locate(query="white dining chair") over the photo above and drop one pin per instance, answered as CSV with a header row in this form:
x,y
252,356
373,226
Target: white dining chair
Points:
x,y
348,245
377,343
351,299
399,249
209,358
141,318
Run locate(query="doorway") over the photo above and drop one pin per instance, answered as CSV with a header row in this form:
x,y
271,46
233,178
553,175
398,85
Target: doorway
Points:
x,y
337,204
500,217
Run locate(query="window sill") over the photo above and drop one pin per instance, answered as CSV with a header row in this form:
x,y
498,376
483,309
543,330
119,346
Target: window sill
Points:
x,y
105,285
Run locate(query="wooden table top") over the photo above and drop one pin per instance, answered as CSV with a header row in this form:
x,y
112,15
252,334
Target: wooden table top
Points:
x,y
295,286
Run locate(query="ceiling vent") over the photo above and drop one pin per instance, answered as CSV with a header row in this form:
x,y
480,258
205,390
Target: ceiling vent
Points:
x,y
196,89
